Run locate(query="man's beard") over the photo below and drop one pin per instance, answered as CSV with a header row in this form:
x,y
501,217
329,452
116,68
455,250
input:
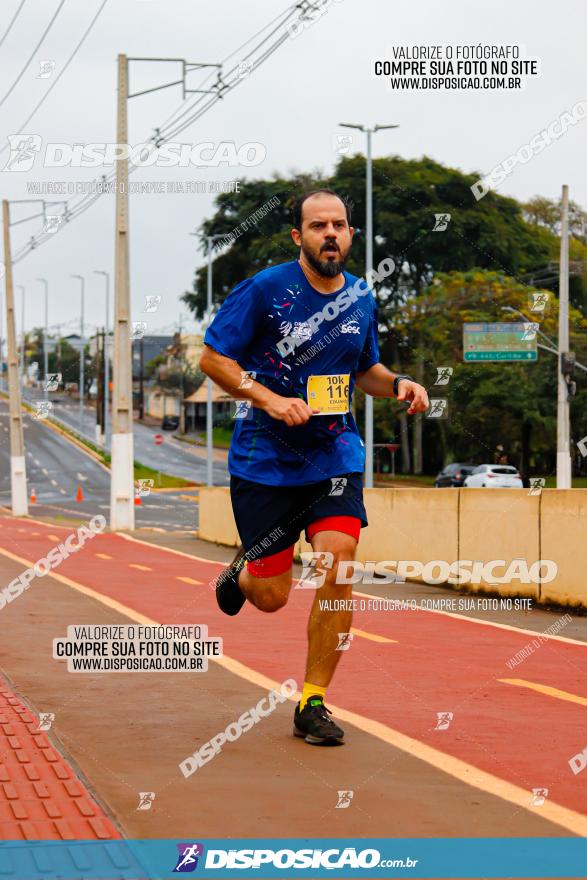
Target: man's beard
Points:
x,y
326,268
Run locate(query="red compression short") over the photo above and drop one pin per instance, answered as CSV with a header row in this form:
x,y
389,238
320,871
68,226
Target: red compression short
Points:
x,y
277,563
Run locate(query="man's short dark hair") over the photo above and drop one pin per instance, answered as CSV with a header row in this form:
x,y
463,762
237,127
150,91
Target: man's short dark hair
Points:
x,y
296,211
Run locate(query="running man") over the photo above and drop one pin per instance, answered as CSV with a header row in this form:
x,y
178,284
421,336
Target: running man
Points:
x,y
293,341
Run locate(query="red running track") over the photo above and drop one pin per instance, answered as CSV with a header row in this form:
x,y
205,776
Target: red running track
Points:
x,y
438,663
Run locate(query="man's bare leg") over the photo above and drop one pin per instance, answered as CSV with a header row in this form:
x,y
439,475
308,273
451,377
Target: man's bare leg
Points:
x,y
266,594
323,625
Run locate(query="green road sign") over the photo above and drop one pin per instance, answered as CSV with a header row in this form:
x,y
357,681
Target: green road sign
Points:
x,y
500,342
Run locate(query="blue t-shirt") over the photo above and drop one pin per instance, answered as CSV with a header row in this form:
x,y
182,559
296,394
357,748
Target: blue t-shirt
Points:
x,y
279,327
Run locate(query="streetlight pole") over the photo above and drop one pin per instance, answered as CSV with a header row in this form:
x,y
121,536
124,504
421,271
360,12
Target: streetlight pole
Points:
x,y
22,366
209,410
45,338
209,424
368,271
106,338
81,357
1,361
563,446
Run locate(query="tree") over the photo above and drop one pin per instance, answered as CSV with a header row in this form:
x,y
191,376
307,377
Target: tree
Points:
x,y
490,252
489,403
491,233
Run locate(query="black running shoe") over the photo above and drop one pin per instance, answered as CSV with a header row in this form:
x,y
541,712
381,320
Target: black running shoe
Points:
x,y
315,726
229,595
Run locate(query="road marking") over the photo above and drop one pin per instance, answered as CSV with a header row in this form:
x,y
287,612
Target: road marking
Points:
x,y
45,471
506,626
103,556
187,580
37,462
466,773
516,629
53,482
371,636
176,552
139,567
546,689
63,492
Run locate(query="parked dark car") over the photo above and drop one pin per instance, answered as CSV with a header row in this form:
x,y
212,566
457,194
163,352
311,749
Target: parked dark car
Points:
x,y
453,475
170,423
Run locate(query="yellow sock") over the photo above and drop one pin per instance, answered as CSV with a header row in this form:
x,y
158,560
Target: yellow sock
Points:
x,y
311,690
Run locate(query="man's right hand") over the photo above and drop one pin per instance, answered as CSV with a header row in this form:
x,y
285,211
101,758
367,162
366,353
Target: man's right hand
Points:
x,y
291,410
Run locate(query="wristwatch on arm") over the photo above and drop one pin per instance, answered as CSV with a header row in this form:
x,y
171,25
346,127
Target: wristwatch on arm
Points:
x,y
397,380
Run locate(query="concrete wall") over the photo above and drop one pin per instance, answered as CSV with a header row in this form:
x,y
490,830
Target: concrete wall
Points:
x,y
466,524
563,537
216,519
500,524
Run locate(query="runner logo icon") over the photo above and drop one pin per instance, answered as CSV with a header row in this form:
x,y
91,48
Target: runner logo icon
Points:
x,y
338,485
189,855
314,564
23,150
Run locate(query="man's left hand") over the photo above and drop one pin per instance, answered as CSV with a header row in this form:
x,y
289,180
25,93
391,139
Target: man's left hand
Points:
x,y
416,394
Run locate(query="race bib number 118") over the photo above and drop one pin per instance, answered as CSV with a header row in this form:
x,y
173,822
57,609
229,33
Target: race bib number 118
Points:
x,y
329,394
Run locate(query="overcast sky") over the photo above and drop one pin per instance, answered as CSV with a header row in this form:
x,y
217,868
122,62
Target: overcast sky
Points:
x,y
291,105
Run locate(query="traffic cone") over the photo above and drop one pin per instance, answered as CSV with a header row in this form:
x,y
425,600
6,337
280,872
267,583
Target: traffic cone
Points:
x,y
79,494
33,496
138,501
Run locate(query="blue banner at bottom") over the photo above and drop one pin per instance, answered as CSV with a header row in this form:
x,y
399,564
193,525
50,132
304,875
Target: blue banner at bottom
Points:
x,y
385,858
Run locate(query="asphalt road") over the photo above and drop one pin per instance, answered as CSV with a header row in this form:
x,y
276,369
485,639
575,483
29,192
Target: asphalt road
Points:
x,y
172,457
56,468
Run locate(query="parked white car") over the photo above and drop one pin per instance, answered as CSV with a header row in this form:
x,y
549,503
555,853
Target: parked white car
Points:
x,y
494,476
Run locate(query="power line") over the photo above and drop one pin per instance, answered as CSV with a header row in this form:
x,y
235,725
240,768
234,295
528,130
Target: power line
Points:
x,y
215,96
14,17
167,122
61,72
34,52
223,85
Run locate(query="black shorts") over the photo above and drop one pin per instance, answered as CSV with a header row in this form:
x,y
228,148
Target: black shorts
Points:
x,y
270,519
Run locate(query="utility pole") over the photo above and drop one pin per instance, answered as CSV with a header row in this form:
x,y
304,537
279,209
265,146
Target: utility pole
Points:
x,y
563,446
181,380
106,348
122,509
22,366
45,337
17,460
81,357
142,380
122,512
100,431
369,268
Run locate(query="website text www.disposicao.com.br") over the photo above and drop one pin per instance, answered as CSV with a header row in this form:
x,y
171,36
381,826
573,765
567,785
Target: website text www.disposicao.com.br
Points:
x,y
329,859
